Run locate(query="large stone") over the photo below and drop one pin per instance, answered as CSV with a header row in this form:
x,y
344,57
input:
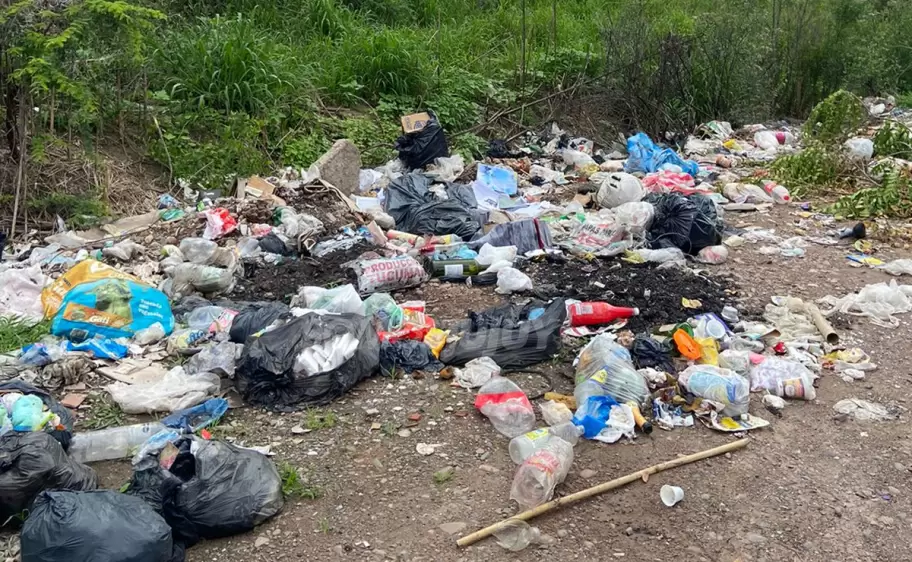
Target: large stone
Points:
x,y
341,166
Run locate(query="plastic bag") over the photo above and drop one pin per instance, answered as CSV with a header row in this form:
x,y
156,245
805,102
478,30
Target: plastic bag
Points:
x,y
895,267
507,406
211,490
93,527
784,378
176,391
489,254
20,292
860,148
604,368
147,336
878,301
389,274
187,278
199,417
83,272
598,237
254,318
417,210
219,222
636,216
338,300
510,280
714,255
735,360
386,314
766,140
63,432
296,224
266,373
649,352
746,193
580,161
645,156
123,250
420,148
207,252
510,342
689,223
407,356
477,372
31,462
219,358
555,413
664,255
619,188
718,385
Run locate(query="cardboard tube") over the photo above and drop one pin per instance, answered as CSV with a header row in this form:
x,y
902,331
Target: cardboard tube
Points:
x,y
823,325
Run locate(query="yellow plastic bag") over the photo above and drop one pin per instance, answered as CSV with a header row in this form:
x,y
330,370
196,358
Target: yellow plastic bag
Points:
x,y
709,351
436,339
82,272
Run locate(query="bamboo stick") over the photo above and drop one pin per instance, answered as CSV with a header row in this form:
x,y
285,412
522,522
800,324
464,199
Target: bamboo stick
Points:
x,y
603,487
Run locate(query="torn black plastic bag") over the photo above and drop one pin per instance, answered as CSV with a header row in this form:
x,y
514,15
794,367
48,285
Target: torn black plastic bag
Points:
x,y
64,435
407,356
32,462
530,342
212,489
100,526
649,352
270,374
418,149
419,211
690,223
254,318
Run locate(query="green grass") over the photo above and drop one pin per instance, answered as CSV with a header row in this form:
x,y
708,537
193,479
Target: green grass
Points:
x,y
79,211
443,476
103,413
315,418
16,333
295,486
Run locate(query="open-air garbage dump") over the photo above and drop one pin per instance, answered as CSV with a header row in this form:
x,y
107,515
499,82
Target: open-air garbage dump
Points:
x,y
537,327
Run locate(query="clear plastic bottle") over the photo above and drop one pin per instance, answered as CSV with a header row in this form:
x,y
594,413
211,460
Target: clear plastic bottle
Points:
x,y
539,474
507,406
604,368
113,443
516,535
522,446
779,193
718,385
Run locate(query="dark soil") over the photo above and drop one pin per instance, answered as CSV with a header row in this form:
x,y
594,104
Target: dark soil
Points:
x,y
321,203
656,292
281,282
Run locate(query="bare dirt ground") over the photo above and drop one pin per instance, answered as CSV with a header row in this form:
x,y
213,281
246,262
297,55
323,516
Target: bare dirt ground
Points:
x,y
809,487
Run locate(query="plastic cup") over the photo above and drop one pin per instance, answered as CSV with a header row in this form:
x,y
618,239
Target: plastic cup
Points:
x,y
671,495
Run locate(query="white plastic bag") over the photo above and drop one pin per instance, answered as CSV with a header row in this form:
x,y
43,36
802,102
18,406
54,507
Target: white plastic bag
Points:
x,y
511,280
662,255
579,160
176,391
619,188
20,293
621,423
766,140
898,267
879,301
476,372
446,169
123,250
339,300
860,148
746,193
489,254
735,360
713,255
635,216
784,378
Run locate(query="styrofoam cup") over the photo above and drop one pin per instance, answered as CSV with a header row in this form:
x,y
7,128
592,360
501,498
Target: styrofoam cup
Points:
x,y
671,495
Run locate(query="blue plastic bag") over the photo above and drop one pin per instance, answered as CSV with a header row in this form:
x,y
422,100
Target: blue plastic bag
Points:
x,y
111,308
645,156
100,348
593,415
199,417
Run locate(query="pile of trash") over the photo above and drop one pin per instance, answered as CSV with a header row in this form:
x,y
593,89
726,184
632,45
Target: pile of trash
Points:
x,y
326,316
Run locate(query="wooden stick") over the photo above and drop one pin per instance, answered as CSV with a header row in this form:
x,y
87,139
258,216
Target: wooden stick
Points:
x,y
604,487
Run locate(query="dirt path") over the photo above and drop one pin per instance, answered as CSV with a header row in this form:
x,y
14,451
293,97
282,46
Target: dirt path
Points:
x,y
810,487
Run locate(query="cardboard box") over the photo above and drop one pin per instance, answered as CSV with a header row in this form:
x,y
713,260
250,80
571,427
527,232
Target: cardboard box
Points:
x,y
415,122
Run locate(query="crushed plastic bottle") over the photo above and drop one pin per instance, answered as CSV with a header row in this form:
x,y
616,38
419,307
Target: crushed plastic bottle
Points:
x,y
722,386
784,378
522,446
516,535
779,193
507,406
604,368
539,474
112,443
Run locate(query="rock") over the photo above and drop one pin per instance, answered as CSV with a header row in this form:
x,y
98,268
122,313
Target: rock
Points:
x,y
341,166
588,544
339,550
628,531
298,430
587,473
755,538
488,468
453,528
372,412
563,533
405,433
260,542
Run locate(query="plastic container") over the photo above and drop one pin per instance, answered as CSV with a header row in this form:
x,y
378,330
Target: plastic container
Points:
x,y
718,385
113,443
604,368
522,446
593,313
687,345
384,309
779,193
507,406
539,474
784,378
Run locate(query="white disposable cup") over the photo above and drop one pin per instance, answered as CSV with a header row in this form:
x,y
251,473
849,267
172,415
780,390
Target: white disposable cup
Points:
x,y
671,495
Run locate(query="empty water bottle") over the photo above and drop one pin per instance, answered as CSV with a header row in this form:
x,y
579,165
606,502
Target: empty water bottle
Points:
x,y
539,474
718,385
522,446
604,368
507,406
112,443
516,535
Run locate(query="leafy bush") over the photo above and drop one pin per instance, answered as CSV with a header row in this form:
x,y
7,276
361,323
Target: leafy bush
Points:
x,y
814,168
380,61
894,139
836,118
79,211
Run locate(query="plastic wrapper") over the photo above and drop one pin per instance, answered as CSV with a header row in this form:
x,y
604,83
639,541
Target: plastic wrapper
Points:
x,y
604,368
598,237
20,291
510,280
746,193
31,462
879,301
219,358
212,489
636,217
219,222
188,278
713,255
94,526
123,250
688,223
860,148
269,372
338,300
507,406
420,148
389,274
721,386
619,188
735,360
254,318
212,319
417,210
407,356
199,417
63,432
509,338
645,156
476,372
176,391
784,378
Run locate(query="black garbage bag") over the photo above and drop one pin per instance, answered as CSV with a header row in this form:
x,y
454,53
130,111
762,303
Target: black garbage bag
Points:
x,y
417,210
212,489
31,462
527,235
272,244
418,149
649,352
65,433
686,222
100,526
408,356
528,343
254,318
269,374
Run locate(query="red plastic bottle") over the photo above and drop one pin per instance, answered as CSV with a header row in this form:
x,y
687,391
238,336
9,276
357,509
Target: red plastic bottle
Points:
x,y
592,313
